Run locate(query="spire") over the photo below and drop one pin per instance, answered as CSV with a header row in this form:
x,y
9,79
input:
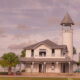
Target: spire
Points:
x,y
67,21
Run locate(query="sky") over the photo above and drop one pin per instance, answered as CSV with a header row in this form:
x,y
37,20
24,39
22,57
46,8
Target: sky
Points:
x,y
24,22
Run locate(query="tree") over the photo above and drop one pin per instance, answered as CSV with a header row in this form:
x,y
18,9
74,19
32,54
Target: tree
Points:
x,y
9,60
23,53
74,50
3,63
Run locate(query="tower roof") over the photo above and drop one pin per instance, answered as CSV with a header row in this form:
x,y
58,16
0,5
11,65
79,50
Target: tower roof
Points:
x,y
67,21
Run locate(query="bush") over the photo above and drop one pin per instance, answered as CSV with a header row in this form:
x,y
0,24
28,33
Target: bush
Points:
x,y
23,71
3,73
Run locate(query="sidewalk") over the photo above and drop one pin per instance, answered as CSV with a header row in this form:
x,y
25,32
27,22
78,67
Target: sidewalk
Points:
x,y
46,75
64,75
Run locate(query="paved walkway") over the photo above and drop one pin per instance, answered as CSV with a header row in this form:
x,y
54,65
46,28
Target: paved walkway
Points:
x,y
62,75
46,75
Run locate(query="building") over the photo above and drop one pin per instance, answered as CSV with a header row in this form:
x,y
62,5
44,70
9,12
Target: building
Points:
x,y
47,56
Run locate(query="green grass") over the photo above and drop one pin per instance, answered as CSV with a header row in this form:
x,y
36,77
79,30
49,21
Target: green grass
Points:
x,y
25,78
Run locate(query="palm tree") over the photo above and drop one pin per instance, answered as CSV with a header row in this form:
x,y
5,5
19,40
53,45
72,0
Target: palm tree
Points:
x,y
23,53
9,60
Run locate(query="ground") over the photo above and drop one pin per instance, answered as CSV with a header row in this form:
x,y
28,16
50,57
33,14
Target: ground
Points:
x,y
33,78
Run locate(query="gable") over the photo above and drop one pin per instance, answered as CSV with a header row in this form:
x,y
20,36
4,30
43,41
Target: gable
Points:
x,y
42,46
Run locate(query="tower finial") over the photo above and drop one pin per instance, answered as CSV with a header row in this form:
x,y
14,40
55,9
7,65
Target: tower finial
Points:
x,y
67,21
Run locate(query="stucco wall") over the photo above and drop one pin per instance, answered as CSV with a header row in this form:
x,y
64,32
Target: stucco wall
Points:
x,y
58,53
68,40
28,53
57,67
28,67
36,68
48,51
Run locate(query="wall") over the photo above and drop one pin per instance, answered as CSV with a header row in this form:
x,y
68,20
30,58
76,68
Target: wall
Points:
x,y
57,53
28,53
48,51
68,40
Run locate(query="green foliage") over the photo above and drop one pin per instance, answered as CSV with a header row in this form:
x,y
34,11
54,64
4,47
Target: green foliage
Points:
x,y
3,73
23,53
78,63
36,78
74,50
3,63
23,70
9,60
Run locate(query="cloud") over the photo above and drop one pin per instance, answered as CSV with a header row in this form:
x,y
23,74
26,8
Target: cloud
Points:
x,y
24,27
18,46
5,25
21,45
54,20
73,12
24,5
2,31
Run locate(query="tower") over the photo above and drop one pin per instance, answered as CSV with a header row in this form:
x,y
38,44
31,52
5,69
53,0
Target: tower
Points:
x,y
67,33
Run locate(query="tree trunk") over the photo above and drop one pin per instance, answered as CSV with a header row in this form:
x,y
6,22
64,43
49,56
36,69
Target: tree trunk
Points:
x,y
9,70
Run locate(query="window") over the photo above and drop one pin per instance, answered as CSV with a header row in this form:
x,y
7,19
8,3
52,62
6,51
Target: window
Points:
x,y
42,52
52,66
32,53
53,51
63,53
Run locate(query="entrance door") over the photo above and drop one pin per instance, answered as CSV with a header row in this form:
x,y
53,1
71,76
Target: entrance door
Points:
x,y
63,67
40,67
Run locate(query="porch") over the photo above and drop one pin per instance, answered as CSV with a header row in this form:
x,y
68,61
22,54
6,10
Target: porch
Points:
x,y
48,65
45,67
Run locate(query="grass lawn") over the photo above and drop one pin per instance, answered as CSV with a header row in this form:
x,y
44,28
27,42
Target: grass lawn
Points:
x,y
25,78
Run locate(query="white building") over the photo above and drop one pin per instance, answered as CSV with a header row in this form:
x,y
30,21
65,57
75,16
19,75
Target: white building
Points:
x,y
47,56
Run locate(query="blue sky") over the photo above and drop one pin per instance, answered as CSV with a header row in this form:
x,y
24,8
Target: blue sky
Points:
x,y
23,22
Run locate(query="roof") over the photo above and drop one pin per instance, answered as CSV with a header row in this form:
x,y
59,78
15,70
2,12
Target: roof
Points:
x,y
67,21
67,59
48,43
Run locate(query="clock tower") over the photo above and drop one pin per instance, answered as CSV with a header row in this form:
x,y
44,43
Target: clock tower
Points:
x,y
67,33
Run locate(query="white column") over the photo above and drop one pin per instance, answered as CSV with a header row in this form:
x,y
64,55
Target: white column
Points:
x,y
32,66
61,67
57,67
69,67
44,69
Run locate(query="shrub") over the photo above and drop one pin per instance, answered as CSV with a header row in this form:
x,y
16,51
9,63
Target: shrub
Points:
x,y
23,70
3,73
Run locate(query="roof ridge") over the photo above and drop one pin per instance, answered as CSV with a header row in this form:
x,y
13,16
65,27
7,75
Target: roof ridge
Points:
x,y
46,42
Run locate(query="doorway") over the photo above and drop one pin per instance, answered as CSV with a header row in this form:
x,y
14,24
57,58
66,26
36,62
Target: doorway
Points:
x,y
40,68
63,66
